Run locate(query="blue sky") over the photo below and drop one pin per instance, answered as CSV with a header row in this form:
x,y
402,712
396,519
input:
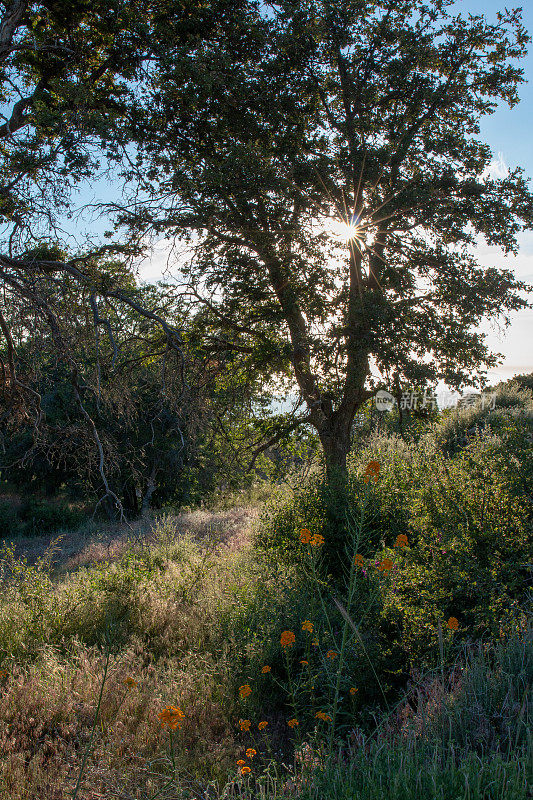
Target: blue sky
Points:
x,y
509,133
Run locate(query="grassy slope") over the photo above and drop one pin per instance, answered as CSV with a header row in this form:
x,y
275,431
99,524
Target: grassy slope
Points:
x,y
189,619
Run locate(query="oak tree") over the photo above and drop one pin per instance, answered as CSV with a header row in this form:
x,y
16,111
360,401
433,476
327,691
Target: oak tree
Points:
x,y
323,161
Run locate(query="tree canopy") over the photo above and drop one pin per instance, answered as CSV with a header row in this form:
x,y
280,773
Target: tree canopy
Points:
x,y
68,75
362,114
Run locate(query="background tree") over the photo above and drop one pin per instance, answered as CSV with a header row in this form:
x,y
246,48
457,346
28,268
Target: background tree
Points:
x,y
164,436
68,73
360,116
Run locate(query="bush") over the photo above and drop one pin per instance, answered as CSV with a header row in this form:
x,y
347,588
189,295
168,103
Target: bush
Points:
x,y
467,515
43,516
37,517
10,523
471,553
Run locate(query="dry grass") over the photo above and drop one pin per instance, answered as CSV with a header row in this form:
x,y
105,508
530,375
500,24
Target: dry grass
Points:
x,y
48,709
93,544
159,598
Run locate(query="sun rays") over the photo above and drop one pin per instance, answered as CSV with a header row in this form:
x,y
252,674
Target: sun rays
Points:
x,y
345,230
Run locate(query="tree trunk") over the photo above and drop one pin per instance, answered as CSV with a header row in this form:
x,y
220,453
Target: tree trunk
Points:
x,y
335,441
150,489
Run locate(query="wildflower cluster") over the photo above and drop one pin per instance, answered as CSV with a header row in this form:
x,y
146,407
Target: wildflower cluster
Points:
x,y
172,717
287,639
315,540
328,666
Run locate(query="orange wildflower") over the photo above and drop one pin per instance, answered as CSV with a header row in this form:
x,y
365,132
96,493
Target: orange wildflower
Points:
x,y
245,724
292,723
245,691
372,471
315,642
307,625
287,639
353,690
262,725
453,624
358,560
130,683
265,669
317,540
250,753
331,654
401,540
321,715
386,565
305,536
245,771
171,716
241,762
304,663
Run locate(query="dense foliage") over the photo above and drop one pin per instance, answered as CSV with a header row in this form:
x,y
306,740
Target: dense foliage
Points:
x,y
461,494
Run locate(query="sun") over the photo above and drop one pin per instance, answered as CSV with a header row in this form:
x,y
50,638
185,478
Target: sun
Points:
x,y
344,231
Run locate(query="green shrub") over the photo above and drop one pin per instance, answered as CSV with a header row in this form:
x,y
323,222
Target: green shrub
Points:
x,y
37,517
468,518
10,523
43,516
471,546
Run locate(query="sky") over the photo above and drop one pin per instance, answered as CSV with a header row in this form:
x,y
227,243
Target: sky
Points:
x,y
509,134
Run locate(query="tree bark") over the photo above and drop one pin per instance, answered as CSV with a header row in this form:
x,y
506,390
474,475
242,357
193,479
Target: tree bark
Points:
x,y
150,489
335,441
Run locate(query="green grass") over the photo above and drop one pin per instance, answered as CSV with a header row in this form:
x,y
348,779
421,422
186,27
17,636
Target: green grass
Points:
x,y
398,772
